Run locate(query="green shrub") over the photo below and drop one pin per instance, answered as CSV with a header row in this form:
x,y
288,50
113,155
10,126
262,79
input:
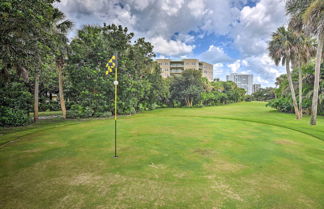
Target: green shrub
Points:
x,y
50,106
248,98
79,111
15,103
13,117
282,104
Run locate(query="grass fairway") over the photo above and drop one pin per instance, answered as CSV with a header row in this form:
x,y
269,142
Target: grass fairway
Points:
x,y
235,156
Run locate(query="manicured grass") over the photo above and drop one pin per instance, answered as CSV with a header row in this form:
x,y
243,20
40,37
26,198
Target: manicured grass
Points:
x,y
235,156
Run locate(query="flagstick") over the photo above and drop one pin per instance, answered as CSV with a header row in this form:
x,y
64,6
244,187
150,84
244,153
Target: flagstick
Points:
x,y
116,84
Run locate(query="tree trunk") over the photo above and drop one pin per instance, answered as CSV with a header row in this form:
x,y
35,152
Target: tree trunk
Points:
x,y
292,90
61,93
317,78
300,91
36,96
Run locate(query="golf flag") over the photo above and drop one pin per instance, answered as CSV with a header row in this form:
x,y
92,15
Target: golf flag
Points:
x,y
111,64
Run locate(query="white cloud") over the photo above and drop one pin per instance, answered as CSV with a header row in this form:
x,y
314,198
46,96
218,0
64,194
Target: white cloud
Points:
x,y
186,38
215,54
168,23
259,80
171,7
197,7
263,67
235,66
218,69
142,4
245,63
170,47
220,16
256,25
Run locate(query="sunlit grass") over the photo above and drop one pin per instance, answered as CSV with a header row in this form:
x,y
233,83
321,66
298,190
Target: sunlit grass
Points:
x,y
236,156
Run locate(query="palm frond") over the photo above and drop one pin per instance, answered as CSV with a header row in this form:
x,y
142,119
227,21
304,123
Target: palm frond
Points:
x,y
313,17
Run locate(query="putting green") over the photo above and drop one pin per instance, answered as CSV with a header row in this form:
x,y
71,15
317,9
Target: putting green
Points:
x,y
236,156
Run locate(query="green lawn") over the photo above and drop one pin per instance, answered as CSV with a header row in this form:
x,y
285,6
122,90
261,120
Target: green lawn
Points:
x,y
235,156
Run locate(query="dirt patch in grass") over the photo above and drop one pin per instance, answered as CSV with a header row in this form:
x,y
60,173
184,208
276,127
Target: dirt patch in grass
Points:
x,y
205,152
34,150
226,190
157,166
285,142
85,178
222,165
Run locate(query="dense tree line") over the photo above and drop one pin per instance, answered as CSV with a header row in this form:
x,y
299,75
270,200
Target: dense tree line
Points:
x,y
42,70
263,94
283,103
296,46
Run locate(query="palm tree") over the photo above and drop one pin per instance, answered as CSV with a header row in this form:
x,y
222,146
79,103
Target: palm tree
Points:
x,y
282,49
59,30
310,12
305,50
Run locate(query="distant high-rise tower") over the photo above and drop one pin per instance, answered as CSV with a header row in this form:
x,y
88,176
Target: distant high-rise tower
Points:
x,y
256,87
244,81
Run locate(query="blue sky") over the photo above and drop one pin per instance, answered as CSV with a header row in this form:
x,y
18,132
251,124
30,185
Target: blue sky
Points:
x,y
230,34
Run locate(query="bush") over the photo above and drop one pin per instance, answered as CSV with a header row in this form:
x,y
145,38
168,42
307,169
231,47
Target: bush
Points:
x,y
13,117
248,98
15,103
50,106
282,104
78,111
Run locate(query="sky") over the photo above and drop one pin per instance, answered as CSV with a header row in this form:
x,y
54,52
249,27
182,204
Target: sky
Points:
x,y
230,34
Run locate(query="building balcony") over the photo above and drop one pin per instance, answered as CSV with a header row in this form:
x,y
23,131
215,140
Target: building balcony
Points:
x,y
176,71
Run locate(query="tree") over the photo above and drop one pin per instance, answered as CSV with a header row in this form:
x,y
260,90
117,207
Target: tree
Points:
x,y
60,28
91,92
310,12
264,94
186,89
25,31
304,51
23,25
282,49
283,103
15,102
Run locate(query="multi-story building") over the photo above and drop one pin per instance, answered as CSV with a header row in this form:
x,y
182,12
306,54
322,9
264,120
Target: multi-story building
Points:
x,y
174,68
256,87
244,81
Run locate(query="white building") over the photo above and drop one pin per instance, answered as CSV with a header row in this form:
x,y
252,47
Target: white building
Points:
x,y
256,87
244,81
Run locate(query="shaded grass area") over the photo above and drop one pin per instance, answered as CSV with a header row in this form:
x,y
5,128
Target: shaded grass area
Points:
x,y
50,113
235,156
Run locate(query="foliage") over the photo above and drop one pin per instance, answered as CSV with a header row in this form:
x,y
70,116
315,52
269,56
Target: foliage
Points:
x,y
13,117
15,104
248,98
264,94
220,92
141,86
24,33
49,105
283,92
283,104
187,88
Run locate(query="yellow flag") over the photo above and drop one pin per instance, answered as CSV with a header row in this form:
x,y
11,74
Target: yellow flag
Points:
x,y
111,64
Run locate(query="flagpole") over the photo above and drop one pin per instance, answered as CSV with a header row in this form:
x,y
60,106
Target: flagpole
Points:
x,y
116,84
